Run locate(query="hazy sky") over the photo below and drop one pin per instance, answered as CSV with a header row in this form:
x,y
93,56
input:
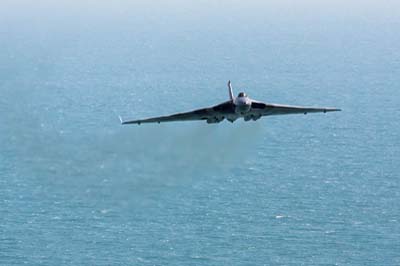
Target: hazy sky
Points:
x,y
174,21
41,10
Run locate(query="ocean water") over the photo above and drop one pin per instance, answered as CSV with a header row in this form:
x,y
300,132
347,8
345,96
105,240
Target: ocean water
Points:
x,y
77,188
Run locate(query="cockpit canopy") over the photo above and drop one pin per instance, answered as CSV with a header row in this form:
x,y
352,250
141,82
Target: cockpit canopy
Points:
x,y
242,94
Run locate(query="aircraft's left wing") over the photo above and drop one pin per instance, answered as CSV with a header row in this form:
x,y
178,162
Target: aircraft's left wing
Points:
x,y
214,114
265,109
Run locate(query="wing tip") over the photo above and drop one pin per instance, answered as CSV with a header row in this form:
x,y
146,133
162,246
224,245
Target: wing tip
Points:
x,y
332,110
137,122
120,120
125,122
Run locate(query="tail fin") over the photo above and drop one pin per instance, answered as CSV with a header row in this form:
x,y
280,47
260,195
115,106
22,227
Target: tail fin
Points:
x,y
230,91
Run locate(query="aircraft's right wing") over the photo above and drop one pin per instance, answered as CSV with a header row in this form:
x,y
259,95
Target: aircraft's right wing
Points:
x,y
213,114
265,109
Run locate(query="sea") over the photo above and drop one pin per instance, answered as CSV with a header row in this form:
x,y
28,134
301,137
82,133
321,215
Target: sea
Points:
x,y
78,188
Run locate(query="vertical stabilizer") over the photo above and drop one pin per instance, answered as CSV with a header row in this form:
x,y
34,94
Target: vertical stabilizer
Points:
x,y
230,91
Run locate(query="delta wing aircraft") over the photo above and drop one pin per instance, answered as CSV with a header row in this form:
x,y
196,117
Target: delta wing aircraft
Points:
x,y
237,107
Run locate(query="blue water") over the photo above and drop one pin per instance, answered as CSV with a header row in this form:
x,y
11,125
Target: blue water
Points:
x,y
77,188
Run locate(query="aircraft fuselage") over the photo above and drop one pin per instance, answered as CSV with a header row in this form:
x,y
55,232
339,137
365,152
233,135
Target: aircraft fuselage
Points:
x,y
242,105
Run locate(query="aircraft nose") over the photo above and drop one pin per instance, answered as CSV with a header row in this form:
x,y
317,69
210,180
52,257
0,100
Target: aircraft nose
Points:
x,y
242,107
241,101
